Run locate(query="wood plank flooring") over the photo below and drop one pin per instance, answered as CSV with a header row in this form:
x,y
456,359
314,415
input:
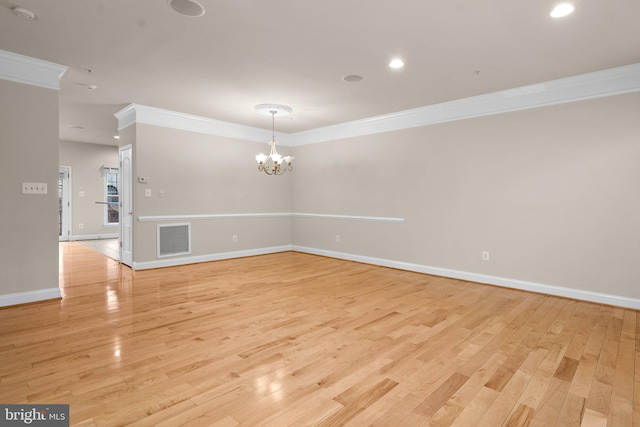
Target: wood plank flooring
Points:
x,y
293,339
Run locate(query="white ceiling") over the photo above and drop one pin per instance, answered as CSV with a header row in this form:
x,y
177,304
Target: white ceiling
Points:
x,y
242,53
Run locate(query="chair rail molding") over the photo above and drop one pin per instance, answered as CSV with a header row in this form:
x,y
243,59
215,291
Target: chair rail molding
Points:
x,y
151,218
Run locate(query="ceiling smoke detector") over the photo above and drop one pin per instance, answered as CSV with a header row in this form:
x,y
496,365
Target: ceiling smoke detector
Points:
x,y
23,13
187,7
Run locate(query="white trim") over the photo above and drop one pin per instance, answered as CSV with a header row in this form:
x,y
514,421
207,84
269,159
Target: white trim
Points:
x,y
95,236
614,81
267,215
597,297
349,217
136,113
210,217
31,71
598,84
30,296
126,116
209,257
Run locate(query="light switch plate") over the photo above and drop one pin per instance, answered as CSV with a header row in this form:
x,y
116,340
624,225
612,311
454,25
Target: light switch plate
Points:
x,y
34,188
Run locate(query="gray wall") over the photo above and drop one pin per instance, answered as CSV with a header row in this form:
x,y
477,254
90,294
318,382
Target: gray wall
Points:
x,y
28,153
551,193
86,161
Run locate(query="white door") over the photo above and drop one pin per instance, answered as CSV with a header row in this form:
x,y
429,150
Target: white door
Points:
x,y
64,203
126,205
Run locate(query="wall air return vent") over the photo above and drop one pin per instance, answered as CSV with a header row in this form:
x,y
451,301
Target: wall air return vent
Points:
x,y
174,239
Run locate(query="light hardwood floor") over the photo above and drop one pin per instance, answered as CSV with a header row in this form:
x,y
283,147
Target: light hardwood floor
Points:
x,y
108,247
296,339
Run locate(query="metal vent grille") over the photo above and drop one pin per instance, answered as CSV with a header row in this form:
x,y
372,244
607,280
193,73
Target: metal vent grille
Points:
x,y
174,239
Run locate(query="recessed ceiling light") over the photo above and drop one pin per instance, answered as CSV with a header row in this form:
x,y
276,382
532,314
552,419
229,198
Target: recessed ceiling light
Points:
x,y
352,78
187,7
563,9
396,63
116,136
23,13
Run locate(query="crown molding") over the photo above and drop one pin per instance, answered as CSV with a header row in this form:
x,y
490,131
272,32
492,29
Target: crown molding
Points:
x,y
31,71
598,84
136,113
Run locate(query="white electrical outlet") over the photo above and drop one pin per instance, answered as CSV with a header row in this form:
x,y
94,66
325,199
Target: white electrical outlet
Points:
x,y
147,192
337,237
234,238
485,256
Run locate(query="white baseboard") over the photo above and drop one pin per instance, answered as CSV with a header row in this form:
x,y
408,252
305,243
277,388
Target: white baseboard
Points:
x,y
560,291
94,236
30,296
209,257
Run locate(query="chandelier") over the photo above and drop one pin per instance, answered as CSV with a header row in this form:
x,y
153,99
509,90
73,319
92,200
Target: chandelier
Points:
x,y
274,163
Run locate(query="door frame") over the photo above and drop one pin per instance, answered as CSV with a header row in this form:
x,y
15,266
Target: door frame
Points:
x,y
65,220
